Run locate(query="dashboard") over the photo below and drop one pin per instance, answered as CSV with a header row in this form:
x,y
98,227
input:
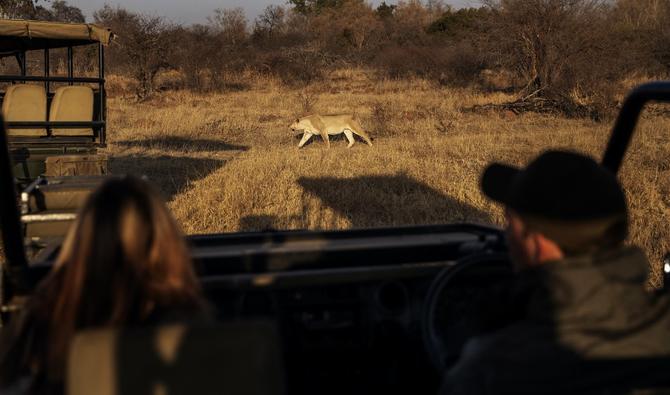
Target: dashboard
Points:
x,y
351,305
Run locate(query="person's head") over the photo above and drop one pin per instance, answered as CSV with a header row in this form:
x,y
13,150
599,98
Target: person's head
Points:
x,y
122,260
562,204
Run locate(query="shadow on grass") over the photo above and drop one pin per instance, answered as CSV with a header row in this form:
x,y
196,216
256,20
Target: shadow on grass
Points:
x,y
392,200
171,174
182,144
258,223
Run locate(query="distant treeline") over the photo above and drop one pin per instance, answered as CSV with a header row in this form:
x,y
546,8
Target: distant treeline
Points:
x,y
574,53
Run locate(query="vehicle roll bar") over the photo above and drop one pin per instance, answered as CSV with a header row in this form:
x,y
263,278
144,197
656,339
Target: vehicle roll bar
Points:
x,y
55,124
12,235
35,78
626,122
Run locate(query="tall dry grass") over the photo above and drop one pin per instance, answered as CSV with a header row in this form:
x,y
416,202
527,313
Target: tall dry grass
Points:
x,y
228,162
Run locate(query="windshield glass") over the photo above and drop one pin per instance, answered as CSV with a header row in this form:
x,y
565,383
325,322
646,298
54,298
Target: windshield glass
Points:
x,y
345,114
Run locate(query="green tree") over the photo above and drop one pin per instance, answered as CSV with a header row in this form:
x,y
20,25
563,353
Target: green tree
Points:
x,y
21,9
314,6
460,23
60,10
385,10
63,12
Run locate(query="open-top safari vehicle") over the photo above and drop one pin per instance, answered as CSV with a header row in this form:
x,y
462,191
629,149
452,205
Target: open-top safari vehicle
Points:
x,y
52,116
354,311
55,123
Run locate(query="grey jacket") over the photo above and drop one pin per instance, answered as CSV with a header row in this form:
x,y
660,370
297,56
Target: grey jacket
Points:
x,y
588,325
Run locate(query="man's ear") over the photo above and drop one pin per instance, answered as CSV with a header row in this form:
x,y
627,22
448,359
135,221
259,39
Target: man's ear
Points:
x,y
546,250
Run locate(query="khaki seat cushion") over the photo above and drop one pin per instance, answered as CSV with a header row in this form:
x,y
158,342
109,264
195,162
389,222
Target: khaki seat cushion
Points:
x,y
232,359
56,227
72,103
22,103
59,197
76,165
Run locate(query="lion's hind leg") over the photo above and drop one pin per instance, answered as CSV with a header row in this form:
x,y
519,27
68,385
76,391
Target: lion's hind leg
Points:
x,y
358,129
326,139
350,137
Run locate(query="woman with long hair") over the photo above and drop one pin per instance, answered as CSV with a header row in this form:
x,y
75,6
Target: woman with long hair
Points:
x,y
124,262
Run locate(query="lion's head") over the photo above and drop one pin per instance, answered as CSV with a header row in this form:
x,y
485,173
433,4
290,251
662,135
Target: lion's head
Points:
x,y
300,124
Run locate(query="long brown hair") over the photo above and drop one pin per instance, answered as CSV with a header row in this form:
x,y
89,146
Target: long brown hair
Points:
x,y
123,260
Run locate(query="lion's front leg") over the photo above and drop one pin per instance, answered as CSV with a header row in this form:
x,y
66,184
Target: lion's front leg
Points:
x,y
305,138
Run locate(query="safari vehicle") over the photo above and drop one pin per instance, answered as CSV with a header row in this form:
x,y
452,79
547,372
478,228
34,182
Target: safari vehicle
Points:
x,y
356,311
59,117
55,123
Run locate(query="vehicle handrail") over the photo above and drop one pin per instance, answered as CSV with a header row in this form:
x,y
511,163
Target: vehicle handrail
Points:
x,y
54,124
35,78
626,122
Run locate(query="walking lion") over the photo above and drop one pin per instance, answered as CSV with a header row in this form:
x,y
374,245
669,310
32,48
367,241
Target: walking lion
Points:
x,y
326,125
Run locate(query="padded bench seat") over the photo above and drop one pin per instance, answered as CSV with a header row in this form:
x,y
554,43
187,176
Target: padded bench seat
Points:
x,y
49,223
50,205
25,103
241,358
60,197
72,103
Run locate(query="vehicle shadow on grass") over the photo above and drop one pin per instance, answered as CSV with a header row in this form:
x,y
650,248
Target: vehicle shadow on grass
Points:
x,y
265,223
182,144
390,200
171,174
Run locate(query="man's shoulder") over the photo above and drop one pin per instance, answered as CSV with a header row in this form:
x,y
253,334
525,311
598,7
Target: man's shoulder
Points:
x,y
521,355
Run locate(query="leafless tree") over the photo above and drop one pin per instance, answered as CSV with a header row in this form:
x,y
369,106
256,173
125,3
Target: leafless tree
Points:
x,y
565,50
231,23
144,45
271,22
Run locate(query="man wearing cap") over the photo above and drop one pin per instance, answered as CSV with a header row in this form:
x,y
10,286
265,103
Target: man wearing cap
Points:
x,y
584,320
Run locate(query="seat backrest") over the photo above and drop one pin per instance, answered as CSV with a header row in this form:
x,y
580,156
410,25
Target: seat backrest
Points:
x,y
75,104
238,358
25,102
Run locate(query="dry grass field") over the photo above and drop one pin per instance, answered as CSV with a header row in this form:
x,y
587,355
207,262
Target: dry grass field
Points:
x,y
228,162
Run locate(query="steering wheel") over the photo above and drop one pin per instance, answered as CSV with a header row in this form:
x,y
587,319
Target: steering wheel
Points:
x,y
452,302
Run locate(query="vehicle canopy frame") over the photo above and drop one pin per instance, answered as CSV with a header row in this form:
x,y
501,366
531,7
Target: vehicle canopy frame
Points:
x,y
17,37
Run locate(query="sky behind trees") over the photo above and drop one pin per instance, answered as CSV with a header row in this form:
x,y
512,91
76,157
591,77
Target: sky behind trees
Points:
x,y
196,11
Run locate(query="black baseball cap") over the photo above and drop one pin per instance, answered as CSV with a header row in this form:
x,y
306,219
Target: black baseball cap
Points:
x,y
565,195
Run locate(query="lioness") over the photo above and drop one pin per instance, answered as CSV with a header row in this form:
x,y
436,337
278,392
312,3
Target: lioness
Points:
x,y
325,125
